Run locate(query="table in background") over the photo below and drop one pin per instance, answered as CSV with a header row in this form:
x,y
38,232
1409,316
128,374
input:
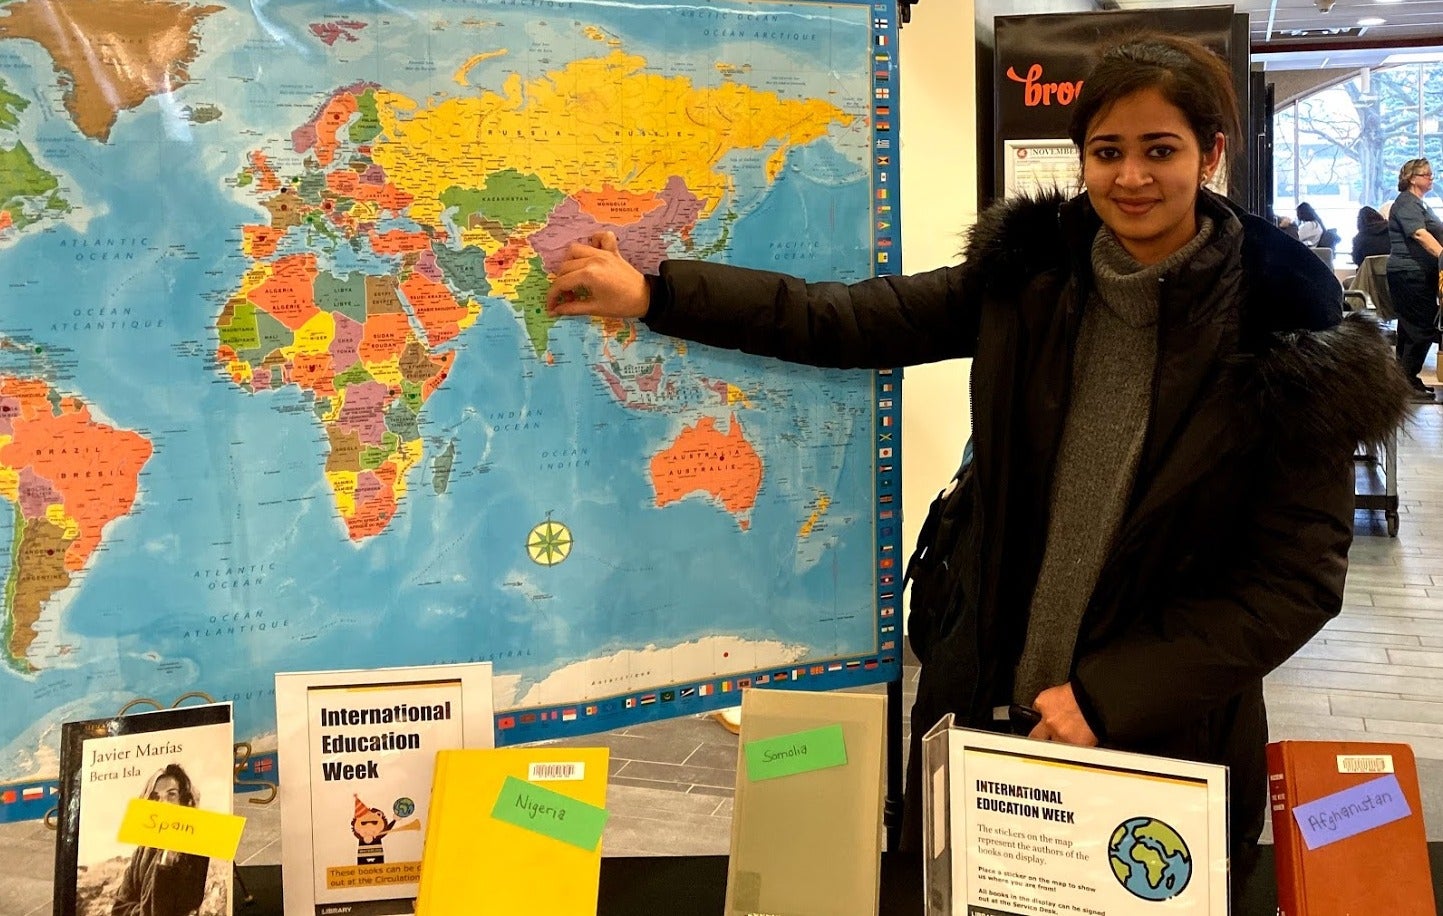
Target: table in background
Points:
x,y
696,886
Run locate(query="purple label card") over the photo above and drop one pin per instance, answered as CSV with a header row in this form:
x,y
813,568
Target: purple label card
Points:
x,y
1352,811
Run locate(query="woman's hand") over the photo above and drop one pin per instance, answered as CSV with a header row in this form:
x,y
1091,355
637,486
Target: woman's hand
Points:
x,y
1062,719
596,280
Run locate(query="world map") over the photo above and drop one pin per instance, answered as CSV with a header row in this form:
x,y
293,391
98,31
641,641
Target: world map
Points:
x,y
278,390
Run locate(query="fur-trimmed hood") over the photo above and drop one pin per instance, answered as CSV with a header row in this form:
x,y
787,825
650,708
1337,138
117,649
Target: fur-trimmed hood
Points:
x,y
1303,368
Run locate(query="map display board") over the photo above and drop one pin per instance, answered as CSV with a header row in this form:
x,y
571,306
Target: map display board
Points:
x,y
278,391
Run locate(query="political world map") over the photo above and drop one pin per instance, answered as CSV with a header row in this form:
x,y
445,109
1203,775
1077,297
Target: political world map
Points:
x,y
278,390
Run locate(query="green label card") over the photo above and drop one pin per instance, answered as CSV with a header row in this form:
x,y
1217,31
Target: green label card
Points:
x,y
540,810
800,752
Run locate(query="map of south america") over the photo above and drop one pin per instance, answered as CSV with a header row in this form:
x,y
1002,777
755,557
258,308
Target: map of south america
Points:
x,y
67,477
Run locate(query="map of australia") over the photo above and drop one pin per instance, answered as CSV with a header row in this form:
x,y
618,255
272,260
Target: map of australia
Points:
x,y
492,187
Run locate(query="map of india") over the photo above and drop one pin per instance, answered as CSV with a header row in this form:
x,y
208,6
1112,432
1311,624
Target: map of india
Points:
x,y
279,392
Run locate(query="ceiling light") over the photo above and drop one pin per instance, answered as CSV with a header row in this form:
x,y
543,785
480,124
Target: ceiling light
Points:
x,y
1372,20
1387,1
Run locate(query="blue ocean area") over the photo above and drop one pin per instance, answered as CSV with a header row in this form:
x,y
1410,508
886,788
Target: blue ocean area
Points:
x,y
234,562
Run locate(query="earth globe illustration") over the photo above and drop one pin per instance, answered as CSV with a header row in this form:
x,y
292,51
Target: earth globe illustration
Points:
x,y
1149,858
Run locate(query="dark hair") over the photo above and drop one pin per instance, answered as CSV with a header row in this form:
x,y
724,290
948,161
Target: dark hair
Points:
x,y
1306,214
1411,169
1186,73
1368,217
182,784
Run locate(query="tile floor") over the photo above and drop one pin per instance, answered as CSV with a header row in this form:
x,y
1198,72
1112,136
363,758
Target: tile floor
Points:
x,y
1375,673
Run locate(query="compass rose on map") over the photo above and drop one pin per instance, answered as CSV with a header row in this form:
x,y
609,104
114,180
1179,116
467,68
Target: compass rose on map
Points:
x,y
549,543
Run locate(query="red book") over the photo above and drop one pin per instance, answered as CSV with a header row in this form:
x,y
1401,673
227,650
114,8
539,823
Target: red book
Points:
x,y
1348,830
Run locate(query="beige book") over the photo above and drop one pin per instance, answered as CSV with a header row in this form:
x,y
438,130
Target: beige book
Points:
x,y
808,843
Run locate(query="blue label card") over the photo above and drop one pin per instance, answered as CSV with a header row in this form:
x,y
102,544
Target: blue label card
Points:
x,y
1350,812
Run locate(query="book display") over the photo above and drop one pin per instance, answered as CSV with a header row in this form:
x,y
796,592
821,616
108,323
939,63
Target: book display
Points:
x,y
357,751
515,830
1348,829
1021,827
807,820
173,757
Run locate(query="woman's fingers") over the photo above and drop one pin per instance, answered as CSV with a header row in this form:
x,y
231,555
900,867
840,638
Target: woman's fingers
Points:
x,y
594,279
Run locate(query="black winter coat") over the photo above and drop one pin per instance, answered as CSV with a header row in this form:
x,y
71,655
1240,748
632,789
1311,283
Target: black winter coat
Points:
x,y
1233,550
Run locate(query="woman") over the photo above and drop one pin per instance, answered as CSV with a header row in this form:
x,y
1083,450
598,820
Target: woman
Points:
x,y
1372,238
1165,401
1413,232
160,882
1310,225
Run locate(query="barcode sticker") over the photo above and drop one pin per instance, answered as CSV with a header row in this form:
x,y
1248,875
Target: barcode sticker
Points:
x,y
1365,763
556,772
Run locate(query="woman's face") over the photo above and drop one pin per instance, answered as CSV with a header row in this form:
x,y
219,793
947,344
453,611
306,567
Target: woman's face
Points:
x,y
1142,168
167,790
1422,181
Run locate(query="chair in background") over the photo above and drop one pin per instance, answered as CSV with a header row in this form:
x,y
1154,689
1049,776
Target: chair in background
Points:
x,y
1372,280
1353,300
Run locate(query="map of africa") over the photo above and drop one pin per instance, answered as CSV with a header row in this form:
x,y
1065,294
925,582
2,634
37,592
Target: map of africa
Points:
x,y
278,390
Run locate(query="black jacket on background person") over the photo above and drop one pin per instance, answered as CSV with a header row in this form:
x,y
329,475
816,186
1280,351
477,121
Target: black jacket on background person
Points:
x,y
1372,238
1233,549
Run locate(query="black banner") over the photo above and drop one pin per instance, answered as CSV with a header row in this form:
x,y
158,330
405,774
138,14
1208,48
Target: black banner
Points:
x,y
1042,60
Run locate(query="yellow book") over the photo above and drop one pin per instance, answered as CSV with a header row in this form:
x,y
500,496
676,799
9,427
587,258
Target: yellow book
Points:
x,y
514,830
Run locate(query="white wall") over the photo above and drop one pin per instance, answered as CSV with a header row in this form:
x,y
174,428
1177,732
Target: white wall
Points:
x,y
937,55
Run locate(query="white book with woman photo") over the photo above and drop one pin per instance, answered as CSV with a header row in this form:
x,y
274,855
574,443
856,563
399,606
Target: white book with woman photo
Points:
x,y
181,756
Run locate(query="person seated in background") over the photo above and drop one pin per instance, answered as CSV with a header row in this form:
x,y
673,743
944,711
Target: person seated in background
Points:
x,y
1311,231
1372,237
1290,228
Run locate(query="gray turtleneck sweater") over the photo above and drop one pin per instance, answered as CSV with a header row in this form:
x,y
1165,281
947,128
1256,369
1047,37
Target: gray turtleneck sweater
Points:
x,y
1102,441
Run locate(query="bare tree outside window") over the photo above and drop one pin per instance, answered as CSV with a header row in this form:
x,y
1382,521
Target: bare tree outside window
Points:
x,y
1339,148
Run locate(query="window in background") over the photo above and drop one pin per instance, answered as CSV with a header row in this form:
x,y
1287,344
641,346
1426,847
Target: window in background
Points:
x,y
1340,147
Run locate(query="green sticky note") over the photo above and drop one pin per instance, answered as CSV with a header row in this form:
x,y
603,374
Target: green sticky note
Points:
x,y
540,810
800,752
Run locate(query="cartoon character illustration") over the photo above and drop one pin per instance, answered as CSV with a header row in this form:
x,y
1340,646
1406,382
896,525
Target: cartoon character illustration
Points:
x,y
370,826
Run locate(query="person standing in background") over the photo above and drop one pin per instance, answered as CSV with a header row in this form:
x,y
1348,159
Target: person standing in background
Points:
x,y
1413,233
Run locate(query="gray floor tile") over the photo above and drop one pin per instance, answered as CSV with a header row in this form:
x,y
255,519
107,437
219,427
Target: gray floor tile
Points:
x,y
711,791
658,803
680,774
1388,709
715,756
1343,638
1326,651
655,744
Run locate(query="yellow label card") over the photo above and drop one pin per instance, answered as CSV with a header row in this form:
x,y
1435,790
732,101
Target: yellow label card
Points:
x,y
181,829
